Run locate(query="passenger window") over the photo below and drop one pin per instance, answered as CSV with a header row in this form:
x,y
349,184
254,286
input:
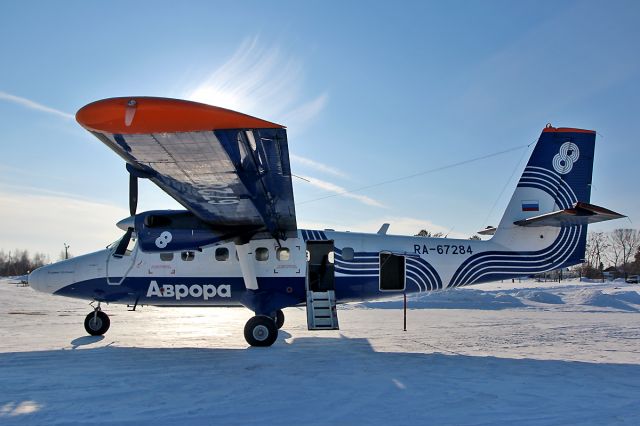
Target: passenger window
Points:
x,y
166,257
283,253
222,254
188,255
262,254
347,253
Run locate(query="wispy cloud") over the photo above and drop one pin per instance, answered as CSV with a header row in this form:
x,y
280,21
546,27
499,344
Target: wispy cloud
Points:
x,y
42,222
298,118
331,187
316,165
262,81
28,103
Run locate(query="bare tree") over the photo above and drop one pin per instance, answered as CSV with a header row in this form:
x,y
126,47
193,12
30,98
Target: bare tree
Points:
x,y
19,262
624,244
636,263
597,245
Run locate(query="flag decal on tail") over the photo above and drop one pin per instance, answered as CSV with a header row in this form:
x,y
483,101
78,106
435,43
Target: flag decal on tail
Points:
x,y
530,206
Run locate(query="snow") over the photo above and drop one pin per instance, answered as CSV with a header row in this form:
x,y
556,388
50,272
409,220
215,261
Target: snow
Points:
x,y
499,353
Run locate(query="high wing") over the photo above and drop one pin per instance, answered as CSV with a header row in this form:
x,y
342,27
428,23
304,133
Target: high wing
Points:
x,y
229,169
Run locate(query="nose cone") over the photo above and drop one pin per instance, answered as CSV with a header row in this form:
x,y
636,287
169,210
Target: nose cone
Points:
x,y
51,278
37,280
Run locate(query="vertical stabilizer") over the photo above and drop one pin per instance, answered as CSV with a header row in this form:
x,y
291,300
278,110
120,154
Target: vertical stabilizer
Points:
x,y
557,175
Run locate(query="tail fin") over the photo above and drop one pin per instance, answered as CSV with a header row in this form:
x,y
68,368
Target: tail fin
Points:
x,y
557,176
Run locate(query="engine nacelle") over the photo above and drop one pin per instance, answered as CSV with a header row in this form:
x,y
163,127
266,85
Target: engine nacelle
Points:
x,y
175,230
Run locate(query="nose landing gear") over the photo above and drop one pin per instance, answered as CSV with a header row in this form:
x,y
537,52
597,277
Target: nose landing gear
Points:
x,y
97,322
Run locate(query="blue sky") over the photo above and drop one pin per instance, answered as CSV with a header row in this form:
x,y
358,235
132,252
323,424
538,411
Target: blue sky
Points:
x,y
369,91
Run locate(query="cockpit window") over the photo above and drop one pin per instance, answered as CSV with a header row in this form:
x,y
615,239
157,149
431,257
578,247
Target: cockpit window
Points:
x,y
130,246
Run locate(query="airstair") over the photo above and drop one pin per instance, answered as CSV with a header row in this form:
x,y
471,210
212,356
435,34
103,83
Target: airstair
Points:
x,y
321,310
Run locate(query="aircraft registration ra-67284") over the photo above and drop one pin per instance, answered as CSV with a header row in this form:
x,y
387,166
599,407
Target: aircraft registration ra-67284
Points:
x,y
238,244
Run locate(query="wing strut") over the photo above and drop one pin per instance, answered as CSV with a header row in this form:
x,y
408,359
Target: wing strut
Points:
x,y
247,266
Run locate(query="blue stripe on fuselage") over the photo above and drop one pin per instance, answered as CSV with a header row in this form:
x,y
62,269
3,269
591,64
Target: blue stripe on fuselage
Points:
x,y
349,288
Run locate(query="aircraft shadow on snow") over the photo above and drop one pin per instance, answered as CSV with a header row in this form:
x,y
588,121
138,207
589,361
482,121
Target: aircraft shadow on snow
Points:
x,y
340,367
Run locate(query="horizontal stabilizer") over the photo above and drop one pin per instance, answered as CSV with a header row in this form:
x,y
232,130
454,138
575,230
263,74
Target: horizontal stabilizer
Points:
x,y
489,230
579,214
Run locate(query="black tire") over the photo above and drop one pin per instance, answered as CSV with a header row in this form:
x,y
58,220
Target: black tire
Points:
x,y
260,330
279,319
97,323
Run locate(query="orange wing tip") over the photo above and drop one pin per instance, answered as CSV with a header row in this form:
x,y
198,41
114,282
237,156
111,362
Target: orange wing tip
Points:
x,y
550,128
143,115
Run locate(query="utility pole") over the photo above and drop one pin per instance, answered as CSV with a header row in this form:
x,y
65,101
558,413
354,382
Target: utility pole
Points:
x,y
66,251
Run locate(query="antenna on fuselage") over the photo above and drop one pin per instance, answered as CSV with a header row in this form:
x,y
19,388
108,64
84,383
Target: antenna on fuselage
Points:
x,y
447,234
383,229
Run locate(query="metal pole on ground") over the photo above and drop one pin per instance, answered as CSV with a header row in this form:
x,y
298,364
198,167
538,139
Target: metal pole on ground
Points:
x,y
405,311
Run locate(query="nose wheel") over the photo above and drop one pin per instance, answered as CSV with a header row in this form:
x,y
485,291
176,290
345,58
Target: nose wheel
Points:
x,y
260,330
97,322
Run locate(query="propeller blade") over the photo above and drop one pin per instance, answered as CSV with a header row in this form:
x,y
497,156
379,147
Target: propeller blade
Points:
x,y
133,194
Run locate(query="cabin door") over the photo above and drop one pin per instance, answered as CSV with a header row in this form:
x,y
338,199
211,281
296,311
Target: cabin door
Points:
x,y
393,272
320,267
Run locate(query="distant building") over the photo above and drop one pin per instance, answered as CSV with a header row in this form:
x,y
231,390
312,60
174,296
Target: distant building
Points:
x,y
611,273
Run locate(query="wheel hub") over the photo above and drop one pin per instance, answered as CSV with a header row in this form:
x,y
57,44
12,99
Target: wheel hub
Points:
x,y
95,323
260,332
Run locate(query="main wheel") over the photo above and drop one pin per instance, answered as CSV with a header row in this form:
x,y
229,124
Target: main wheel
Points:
x,y
279,319
97,323
260,330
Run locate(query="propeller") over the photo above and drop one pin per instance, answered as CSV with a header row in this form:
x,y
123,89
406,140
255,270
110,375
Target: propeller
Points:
x,y
133,194
123,244
129,222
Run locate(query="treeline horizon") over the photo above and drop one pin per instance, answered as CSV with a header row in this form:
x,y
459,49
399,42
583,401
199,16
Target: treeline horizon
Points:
x,y
21,262
616,252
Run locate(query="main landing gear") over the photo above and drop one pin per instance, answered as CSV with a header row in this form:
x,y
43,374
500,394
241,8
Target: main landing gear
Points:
x,y
262,330
97,322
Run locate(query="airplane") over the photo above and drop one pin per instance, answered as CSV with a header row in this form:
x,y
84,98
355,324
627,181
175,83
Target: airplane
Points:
x,y
237,242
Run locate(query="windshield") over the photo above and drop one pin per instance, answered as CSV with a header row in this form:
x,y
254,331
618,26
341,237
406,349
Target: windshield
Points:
x,y
130,247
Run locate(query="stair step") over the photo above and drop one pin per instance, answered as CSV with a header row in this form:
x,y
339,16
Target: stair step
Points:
x,y
321,310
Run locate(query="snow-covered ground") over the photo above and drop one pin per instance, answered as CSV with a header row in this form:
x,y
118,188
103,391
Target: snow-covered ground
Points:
x,y
500,353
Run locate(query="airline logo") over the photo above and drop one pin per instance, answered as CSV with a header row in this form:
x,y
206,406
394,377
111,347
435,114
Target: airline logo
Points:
x,y
180,291
530,206
164,239
563,160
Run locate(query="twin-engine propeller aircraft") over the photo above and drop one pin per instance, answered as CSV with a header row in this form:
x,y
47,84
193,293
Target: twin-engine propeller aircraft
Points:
x,y
237,242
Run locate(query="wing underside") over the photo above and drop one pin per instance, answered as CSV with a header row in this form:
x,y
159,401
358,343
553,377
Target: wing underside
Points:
x,y
228,177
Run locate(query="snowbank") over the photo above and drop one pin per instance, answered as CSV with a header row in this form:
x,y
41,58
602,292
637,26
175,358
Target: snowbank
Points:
x,y
597,298
454,299
540,297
